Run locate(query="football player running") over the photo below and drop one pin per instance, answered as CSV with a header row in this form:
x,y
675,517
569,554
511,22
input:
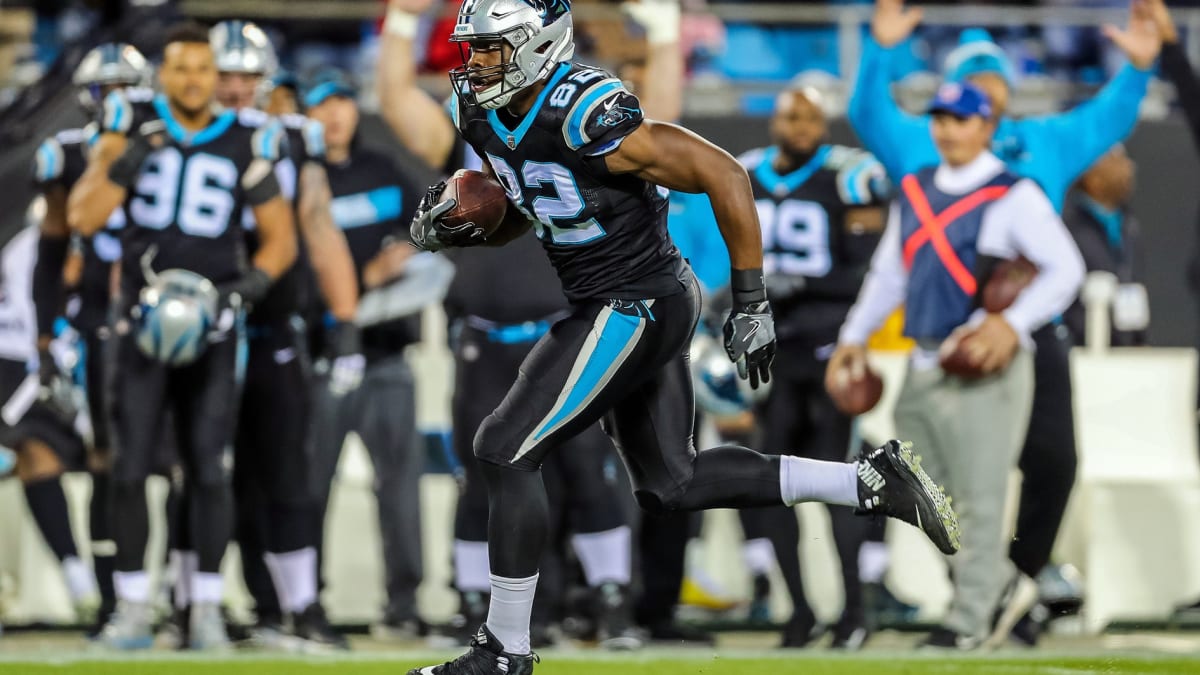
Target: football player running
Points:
x,y
583,168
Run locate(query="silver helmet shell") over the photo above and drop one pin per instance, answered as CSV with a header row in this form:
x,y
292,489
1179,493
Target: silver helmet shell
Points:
x,y
719,390
242,47
174,315
115,63
539,34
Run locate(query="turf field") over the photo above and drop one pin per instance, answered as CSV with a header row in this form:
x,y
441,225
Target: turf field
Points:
x,y
651,662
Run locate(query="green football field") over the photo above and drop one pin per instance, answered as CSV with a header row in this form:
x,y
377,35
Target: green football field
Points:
x,y
644,664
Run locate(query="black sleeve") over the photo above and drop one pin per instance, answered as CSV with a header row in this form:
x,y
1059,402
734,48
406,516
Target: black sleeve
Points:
x,y
1178,70
48,296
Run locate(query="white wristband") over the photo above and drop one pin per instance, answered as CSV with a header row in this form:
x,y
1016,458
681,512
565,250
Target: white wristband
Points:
x,y
401,23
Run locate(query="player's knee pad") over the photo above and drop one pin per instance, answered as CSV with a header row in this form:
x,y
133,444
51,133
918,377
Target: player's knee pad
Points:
x,y
494,440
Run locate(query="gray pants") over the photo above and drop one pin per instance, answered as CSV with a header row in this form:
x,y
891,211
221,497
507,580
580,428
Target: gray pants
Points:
x,y
969,435
383,414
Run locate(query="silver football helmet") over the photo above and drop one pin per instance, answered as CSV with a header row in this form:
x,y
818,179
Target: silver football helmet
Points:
x,y
175,312
538,34
719,390
242,47
115,63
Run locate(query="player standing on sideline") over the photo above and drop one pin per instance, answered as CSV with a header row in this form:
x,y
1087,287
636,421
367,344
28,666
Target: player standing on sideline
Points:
x,y
1053,150
183,170
820,210
59,162
503,302
271,478
37,418
371,202
583,168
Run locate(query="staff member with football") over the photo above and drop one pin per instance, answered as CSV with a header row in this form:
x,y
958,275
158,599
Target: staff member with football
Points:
x,y
968,390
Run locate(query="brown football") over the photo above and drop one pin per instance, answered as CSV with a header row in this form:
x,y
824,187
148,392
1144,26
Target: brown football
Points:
x,y
954,359
479,199
857,397
1008,279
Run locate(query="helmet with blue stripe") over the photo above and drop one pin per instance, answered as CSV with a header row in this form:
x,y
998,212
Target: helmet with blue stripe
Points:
x,y
174,315
242,47
112,64
719,390
538,33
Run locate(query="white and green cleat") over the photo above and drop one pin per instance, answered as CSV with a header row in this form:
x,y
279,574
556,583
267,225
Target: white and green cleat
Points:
x,y
891,482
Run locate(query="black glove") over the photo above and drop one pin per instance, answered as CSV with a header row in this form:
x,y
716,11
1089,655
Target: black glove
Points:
x,y
430,234
245,291
147,138
347,362
750,328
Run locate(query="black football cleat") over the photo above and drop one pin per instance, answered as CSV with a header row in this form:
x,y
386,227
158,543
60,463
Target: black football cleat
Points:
x,y
313,627
485,657
892,482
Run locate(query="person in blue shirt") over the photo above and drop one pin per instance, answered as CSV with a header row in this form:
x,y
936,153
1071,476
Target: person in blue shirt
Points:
x,y
1053,150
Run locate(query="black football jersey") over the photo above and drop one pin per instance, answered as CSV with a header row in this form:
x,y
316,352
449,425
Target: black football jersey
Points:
x,y
805,234
60,161
373,204
187,201
291,293
605,234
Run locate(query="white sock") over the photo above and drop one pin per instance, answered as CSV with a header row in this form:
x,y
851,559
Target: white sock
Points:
x,y
811,480
185,564
132,586
873,561
508,614
758,554
471,567
81,583
295,577
605,556
207,587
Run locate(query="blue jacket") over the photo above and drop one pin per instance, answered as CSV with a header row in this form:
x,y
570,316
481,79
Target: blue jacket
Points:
x,y
693,228
1053,150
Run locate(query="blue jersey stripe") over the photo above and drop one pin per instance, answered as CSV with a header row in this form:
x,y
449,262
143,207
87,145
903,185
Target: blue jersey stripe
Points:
x,y
773,182
618,332
367,208
578,117
503,132
210,133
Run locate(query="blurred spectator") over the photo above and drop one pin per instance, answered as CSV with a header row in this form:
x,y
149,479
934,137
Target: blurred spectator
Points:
x,y
1097,215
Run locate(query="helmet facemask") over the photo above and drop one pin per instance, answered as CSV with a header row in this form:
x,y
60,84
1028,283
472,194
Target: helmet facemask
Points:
x,y
502,80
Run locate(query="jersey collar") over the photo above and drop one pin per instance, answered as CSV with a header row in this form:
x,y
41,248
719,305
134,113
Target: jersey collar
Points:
x,y
218,126
512,138
783,185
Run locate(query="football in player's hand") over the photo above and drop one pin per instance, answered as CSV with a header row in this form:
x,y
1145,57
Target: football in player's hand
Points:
x,y
956,360
1008,279
856,397
479,199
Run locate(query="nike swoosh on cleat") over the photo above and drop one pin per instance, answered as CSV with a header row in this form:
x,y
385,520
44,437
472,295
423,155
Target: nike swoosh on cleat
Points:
x,y
918,510
427,670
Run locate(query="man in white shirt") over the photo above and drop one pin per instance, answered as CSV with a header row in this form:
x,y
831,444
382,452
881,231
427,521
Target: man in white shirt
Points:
x,y
946,232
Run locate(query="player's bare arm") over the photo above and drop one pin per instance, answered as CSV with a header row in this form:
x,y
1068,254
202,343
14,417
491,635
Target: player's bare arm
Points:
x,y
330,254
277,233
95,196
677,159
414,116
